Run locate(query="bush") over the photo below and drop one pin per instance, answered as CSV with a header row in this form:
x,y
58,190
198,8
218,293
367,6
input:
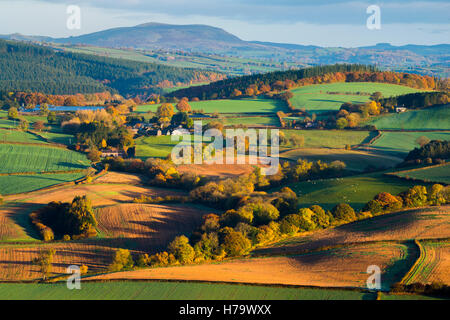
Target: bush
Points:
x,y
122,261
306,220
234,243
182,250
373,206
320,217
263,212
343,212
415,196
208,246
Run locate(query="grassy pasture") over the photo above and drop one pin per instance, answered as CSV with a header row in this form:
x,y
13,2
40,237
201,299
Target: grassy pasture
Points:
x,y
355,190
12,184
257,105
172,291
19,136
249,121
425,119
439,174
30,158
399,144
154,146
314,98
331,138
354,160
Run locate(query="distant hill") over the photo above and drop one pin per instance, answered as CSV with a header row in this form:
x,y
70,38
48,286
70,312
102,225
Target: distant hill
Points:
x,y
29,67
430,60
162,36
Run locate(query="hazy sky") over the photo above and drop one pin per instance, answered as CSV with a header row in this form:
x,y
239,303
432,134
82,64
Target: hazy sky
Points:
x,y
320,22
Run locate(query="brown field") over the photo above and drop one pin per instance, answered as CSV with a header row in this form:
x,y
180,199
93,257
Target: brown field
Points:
x,y
100,194
119,178
16,261
218,171
424,223
343,267
434,263
143,228
149,226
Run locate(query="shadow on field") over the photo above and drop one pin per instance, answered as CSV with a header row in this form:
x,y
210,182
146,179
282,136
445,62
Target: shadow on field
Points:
x,y
71,165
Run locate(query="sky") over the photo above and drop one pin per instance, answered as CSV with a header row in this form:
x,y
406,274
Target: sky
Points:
x,y
317,22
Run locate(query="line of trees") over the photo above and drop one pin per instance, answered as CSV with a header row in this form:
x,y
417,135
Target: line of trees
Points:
x,y
278,81
261,218
65,221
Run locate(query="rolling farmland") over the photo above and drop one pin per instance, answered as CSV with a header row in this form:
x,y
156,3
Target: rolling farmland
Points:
x,y
163,290
243,106
435,118
439,174
341,267
399,144
433,264
354,160
355,190
314,98
28,158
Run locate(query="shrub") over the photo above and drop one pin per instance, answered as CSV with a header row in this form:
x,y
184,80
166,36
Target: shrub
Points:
x,y
306,220
182,250
83,269
373,206
286,201
122,261
320,217
208,246
234,243
162,259
438,194
232,217
264,212
343,212
415,196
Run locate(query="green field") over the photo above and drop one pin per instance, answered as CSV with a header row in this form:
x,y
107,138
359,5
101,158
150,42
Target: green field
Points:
x,y
249,121
331,138
154,146
172,291
424,119
314,98
440,174
354,190
354,160
25,183
19,136
401,143
29,158
258,105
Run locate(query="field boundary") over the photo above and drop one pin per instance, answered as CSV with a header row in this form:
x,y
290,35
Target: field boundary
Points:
x,y
395,173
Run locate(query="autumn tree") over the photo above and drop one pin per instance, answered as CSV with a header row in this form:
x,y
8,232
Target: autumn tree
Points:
x,y
122,261
182,250
51,118
38,125
94,155
44,262
183,105
13,113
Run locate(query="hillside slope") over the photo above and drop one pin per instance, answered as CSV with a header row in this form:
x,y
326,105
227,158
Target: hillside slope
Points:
x,y
27,67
